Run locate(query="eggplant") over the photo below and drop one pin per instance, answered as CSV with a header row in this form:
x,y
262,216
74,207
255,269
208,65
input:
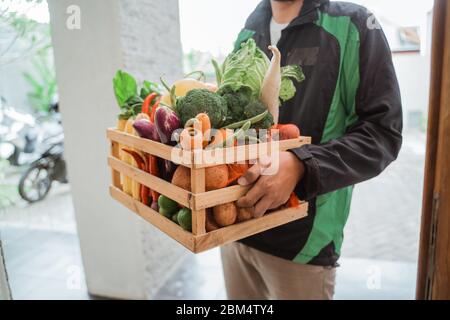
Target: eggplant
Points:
x,y
146,129
166,169
155,206
169,168
166,122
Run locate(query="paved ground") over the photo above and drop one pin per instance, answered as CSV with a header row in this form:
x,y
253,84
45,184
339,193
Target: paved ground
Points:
x,y
45,264
41,245
54,213
385,214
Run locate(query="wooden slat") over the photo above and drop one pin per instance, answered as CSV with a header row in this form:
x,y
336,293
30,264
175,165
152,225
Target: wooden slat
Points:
x,y
198,215
213,198
209,158
115,175
161,186
245,229
206,158
200,243
162,223
155,148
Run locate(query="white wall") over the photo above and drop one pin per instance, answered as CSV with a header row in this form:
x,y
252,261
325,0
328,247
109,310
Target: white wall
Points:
x,y
123,257
13,86
413,73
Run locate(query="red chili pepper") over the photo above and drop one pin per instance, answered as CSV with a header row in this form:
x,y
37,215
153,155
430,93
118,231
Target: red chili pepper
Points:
x,y
153,169
142,165
153,112
147,102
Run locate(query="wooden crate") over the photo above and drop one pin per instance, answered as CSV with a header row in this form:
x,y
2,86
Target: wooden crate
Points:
x,y
197,199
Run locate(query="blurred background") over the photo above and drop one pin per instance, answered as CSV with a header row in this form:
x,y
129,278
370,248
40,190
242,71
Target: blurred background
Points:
x,y
59,244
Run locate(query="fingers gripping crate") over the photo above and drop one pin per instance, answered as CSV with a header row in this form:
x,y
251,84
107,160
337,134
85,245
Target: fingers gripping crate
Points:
x,y
197,199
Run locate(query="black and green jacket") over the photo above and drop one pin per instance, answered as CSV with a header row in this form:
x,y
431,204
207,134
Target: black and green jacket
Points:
x,y
349,104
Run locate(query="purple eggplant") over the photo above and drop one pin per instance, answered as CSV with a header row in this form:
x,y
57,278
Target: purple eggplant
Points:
x,y
155,206
166,122
146,129
166,169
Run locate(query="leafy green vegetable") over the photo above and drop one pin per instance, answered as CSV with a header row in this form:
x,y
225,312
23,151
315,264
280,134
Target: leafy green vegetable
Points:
x,y
245,67
131,107
127,96
252,120
149,87
218,71
243,36
288,74
125,87
293,71
201,100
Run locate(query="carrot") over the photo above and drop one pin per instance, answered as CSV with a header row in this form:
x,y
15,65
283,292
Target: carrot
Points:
x,y
219,137
293,201
202,123
191,138
235,171
205,127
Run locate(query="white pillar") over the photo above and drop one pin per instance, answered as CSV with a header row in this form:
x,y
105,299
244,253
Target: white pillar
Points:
x,y
123,256
5,293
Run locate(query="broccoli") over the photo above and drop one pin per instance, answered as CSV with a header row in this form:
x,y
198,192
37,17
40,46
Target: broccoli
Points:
x,y
236,102
201,100
253,109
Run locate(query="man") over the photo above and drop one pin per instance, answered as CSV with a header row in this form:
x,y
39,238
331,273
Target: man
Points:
x,y
350,105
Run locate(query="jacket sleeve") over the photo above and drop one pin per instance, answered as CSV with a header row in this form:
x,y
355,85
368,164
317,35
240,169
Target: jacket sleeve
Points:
x,y
372,142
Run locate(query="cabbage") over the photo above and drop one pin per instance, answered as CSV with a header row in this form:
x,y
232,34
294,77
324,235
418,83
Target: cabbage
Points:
x,y
288,74
247,66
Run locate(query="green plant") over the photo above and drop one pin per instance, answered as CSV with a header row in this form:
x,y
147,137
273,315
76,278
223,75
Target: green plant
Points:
x,y
22,37
42,82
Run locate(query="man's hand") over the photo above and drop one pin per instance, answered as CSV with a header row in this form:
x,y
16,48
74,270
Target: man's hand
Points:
x,y
272,190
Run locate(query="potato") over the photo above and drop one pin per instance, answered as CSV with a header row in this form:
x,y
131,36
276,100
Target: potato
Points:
x,y
216,177
210,223
244,214
225,214
182,178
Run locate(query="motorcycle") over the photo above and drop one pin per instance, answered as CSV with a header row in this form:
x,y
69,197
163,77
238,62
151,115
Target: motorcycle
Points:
x,y
21,133
36,181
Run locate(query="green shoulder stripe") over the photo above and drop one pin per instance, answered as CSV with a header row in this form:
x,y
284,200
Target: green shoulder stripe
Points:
x,y
243,36
332,208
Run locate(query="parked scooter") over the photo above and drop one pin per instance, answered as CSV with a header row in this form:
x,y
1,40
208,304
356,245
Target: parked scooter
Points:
x,y
36,181
17,133
21,133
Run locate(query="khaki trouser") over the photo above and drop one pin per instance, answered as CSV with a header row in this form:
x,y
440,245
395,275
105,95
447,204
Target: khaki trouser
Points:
x,y
252,274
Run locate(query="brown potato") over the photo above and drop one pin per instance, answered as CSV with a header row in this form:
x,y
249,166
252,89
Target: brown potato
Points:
x,y
216,177
210,223
225,214
244,214
182,178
